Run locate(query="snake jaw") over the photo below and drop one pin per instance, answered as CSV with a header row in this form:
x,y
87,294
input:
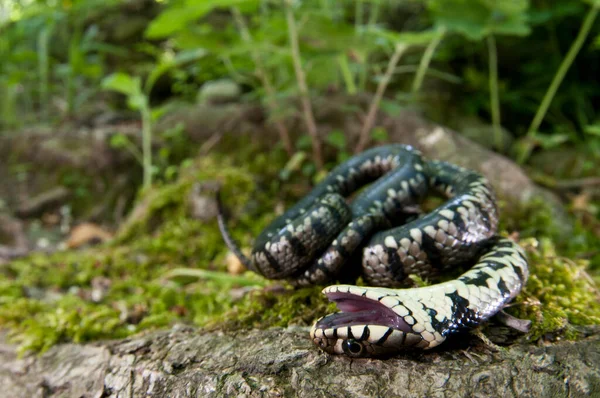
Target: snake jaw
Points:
x,y
364,327
360,310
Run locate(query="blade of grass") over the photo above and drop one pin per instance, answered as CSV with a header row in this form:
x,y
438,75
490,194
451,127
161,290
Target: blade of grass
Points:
x,y
400,48
347,74
494,96
217,276
309,118
271,95
584,31
44,70
426,60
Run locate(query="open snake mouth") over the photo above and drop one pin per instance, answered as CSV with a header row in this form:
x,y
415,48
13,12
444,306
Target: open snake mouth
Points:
x,y
360,310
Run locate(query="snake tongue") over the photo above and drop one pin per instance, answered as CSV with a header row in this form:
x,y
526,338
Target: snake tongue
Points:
x,y
343,319
359,310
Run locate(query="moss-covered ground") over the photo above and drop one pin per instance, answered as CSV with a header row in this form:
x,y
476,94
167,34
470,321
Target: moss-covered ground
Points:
x,y
165,267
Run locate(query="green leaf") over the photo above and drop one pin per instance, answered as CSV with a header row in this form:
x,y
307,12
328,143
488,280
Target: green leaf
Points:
x,y
593,3
382,37
293,165
417,38
303,142
122,83
158,112
392,108
554,12
174,19
168,63
319,72
548,141
379,134
320,33
137,101
593,129
178,16
476,19
336,139
119,141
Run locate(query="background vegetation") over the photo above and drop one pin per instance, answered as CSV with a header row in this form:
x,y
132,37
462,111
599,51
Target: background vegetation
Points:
x,y
518,76
534,62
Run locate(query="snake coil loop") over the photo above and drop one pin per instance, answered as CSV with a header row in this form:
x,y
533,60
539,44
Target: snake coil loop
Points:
x,y
316,241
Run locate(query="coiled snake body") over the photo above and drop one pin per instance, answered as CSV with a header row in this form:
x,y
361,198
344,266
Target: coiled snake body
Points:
x,y
317,240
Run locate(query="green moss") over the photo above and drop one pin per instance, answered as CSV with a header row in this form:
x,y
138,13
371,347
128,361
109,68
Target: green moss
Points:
x,y
37,325
122,288
165,267
559,293
538,219
276,307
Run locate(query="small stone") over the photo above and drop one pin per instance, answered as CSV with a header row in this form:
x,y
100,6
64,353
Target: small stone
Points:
x,y
234,265
87,234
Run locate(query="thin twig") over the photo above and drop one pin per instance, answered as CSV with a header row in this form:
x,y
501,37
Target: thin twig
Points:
x,y
447,77
271,103
309,117
147,144
578,182
209,144
370,120
553,183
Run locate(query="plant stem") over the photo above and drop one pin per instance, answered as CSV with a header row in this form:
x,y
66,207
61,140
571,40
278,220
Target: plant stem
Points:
x,y
558,78
135,152
358,15
494,96
147,144
74,56
347,74
412,69
426,60
43,70
8,102
271,102
374,13
309,117
383,83
364,64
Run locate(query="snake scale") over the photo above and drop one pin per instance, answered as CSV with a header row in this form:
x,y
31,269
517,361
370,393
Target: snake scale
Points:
x,y
320,239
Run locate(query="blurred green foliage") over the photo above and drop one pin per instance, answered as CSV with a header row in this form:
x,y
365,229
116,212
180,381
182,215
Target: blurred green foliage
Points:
x,y
55,55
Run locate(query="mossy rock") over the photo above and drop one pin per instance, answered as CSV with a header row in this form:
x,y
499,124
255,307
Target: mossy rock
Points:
x,y
165,267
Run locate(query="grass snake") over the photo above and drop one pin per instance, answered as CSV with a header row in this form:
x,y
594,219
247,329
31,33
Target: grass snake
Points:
x,y
320,239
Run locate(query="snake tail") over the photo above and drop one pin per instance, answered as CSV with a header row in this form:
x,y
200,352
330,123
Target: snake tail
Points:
x,y
229,241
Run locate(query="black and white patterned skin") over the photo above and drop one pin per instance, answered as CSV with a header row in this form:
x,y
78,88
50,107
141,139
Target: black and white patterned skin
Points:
x,y
312,241
453,234
380,321
316,240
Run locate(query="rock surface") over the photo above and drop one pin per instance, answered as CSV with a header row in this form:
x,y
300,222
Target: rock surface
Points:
x,y
185,362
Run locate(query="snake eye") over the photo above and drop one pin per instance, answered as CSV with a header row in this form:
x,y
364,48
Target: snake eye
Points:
x,y
352,348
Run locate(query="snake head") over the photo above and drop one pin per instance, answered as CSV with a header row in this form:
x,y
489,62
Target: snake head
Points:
x,y
372,322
